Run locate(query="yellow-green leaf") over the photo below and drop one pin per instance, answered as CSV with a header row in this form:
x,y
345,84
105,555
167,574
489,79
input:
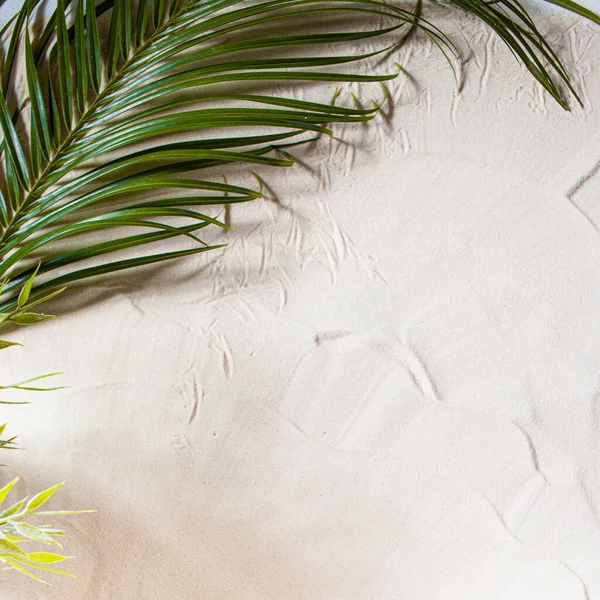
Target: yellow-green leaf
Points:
x,y
26,291
30,318
15,508
10,547
42,497
46,558
7,344
6,489
15,565
33,533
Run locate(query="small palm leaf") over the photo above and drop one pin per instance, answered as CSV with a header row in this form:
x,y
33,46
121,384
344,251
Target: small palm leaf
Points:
x,y
101,155
17,534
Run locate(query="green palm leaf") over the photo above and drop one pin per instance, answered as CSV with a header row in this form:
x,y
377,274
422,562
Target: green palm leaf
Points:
x,y
100,155
120,99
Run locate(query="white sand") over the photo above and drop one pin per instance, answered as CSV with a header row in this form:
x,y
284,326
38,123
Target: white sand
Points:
x,y
386,388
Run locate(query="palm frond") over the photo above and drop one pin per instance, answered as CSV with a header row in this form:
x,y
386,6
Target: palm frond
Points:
x,y
510,20
103,131
100,117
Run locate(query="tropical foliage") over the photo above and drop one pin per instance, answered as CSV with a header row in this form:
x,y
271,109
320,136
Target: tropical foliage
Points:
x,y
17,533
16,530
117,117
22,314
88,143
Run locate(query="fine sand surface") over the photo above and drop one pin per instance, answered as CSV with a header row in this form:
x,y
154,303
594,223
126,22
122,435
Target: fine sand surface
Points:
x,y
387,387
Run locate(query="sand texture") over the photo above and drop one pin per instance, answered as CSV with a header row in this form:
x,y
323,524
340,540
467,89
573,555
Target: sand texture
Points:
x,y
387,387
